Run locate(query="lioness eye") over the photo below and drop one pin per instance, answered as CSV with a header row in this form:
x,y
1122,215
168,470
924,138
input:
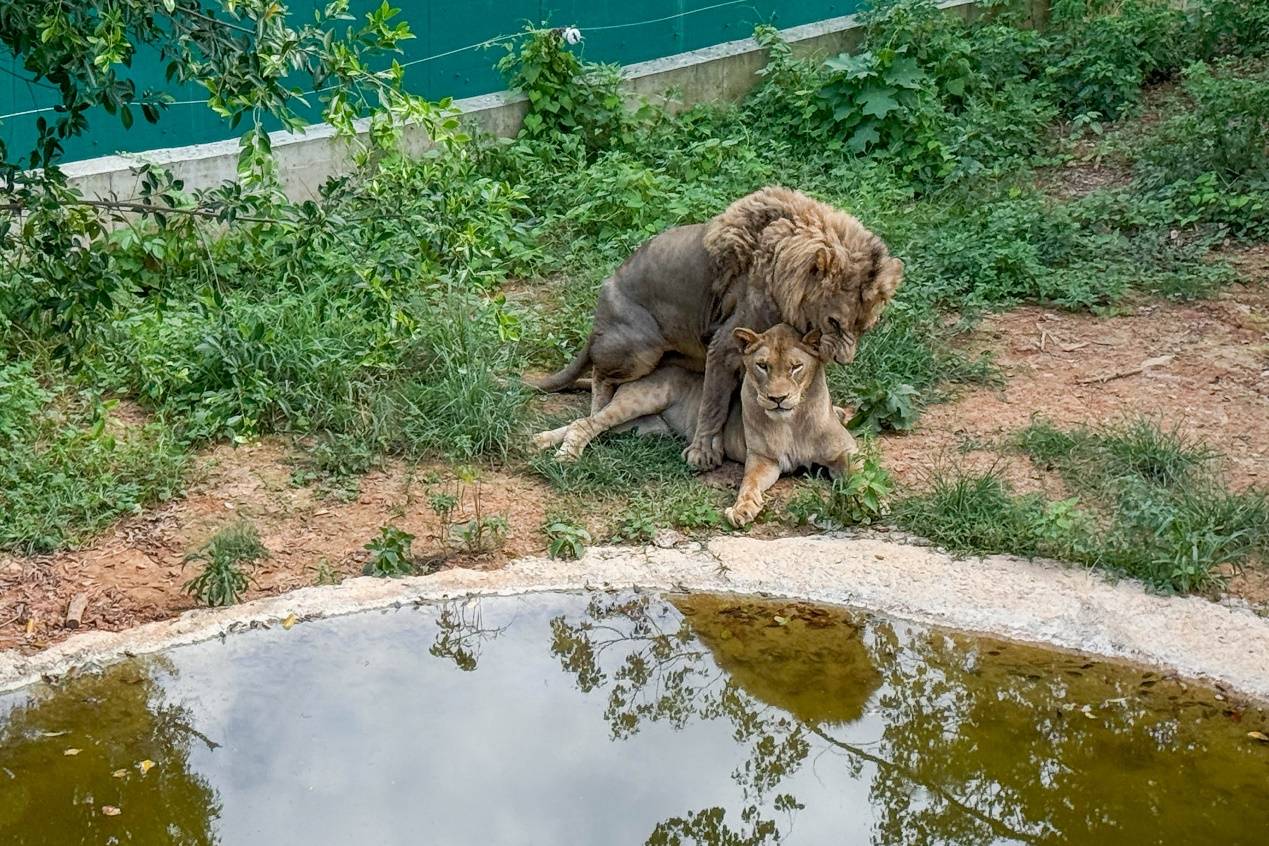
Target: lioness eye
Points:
x,y
796,368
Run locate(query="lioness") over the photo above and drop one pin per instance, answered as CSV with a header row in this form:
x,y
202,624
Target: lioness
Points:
x,y
774,256
784,418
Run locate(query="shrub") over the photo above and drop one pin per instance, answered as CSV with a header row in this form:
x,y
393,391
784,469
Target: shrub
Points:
x,y
1105,50
1209,162
883,100
859,498
1235,27
227,559
565,539
565,96
885,408
481,534
391,554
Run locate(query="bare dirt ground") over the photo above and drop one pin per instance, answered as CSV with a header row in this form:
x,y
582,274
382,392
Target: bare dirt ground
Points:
x,y
135,572
1202,366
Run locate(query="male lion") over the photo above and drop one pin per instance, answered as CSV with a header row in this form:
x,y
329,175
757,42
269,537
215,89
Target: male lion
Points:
x,y
784,419
774,256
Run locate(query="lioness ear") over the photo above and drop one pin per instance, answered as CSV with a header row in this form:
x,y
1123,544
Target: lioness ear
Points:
x,y
811,340
746,337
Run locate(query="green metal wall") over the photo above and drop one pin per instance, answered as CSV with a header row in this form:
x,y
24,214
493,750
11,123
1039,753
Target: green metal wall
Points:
x,y
620,32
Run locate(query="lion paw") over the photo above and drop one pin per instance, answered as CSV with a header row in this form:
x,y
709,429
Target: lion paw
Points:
x,y
567,455
544,440
704,454
741,514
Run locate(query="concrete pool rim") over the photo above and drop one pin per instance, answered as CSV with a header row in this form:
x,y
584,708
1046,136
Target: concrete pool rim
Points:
x,y
1033,602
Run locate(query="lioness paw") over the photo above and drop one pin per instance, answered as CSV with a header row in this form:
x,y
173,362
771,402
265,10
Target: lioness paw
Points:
x,y
704,454
741,514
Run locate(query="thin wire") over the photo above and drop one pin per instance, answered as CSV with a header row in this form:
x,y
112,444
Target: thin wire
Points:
x,y
486,43
28,112
666,18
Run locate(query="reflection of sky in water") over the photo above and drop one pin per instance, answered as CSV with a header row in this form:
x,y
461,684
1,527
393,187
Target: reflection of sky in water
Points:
x,y
389,744
349,731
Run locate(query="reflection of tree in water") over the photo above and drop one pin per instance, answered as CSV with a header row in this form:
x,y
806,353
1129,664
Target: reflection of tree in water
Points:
x,y
666,673
980,742
115,720
461,633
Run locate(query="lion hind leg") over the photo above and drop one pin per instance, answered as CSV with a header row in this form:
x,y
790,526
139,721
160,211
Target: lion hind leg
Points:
x,y
601,393
619,360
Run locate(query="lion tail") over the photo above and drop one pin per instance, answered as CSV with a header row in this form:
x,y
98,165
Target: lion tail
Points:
x,y
565,378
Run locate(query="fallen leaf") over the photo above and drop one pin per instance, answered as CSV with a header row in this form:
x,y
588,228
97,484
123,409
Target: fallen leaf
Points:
x,y
1258,735
290,620
781,621
53,733
110,810
71,752
120,773
145,766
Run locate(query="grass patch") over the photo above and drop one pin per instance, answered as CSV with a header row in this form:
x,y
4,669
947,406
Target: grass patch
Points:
x,y
1150,506
691,506
67,469
616,464
1139,449
973,513
644,477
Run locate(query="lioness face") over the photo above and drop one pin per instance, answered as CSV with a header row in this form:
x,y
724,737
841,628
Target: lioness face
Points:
x,y
780,364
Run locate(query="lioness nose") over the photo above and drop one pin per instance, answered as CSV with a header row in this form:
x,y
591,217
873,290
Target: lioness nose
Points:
x,y
777,399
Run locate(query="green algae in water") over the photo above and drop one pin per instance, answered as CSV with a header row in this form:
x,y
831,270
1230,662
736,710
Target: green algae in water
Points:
x,y
627,719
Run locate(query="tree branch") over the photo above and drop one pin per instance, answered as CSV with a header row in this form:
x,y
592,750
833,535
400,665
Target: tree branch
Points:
x,y
998,828
216,21
124,205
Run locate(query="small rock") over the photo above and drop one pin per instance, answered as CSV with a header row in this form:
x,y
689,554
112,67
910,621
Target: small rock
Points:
x,y
667,539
